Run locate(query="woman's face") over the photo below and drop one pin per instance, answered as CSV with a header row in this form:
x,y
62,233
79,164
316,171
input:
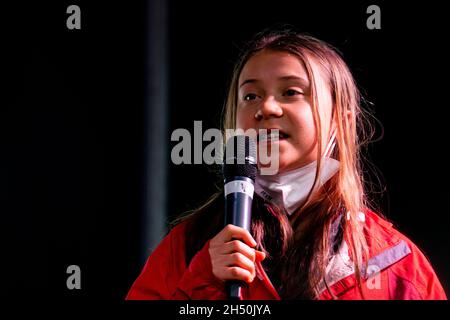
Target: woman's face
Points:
x,y
274,93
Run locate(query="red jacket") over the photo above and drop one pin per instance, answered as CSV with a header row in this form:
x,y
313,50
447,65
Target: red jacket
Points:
x,y
397,269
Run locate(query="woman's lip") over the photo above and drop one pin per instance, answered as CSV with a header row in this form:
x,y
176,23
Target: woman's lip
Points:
x,y
269,130
272,140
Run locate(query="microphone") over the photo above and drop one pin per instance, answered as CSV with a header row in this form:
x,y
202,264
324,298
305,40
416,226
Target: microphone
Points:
x,y
239,170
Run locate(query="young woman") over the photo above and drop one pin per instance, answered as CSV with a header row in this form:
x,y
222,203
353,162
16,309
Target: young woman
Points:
x,y
312,235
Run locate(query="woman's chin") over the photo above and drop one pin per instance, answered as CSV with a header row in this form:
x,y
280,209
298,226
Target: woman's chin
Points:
x,y
272,168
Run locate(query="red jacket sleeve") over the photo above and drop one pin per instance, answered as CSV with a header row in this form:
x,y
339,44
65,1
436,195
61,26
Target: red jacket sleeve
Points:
x,y
414,278
166,277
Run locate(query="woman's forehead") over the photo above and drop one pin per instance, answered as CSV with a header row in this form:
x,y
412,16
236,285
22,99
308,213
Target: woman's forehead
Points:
x,y
270,65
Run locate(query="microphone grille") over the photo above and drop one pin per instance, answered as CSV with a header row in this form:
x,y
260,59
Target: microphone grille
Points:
x,y
240,157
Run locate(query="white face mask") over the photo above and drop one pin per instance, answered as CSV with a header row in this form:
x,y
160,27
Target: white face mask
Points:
x,y
289,190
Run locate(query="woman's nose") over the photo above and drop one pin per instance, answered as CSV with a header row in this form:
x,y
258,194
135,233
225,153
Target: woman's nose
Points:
x,y
268,108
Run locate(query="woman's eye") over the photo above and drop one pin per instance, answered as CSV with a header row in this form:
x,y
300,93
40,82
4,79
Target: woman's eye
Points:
x,y
291,92
249,97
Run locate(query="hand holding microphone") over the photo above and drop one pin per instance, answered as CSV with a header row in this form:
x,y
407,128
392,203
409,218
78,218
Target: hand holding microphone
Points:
x,y
232,250
233,255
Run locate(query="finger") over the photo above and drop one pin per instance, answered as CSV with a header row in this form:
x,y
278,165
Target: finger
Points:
x,y
239,260
236,273
231,232
239,246
259,255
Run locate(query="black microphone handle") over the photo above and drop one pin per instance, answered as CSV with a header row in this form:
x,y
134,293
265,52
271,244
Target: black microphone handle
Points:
x,y
238,209
234,289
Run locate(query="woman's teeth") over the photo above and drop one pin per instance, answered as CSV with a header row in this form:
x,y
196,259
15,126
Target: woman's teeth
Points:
x,y
272,136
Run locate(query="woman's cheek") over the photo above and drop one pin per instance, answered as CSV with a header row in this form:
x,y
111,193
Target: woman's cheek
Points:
x,y
243,120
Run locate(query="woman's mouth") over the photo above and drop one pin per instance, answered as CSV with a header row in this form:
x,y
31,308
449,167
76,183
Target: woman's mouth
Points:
x,y
271,135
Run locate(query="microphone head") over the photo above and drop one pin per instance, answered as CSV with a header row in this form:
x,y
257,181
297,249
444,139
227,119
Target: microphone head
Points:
x,y
240,158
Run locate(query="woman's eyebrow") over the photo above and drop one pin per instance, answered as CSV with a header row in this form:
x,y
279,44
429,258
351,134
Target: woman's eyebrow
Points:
x,y
301,80
248,81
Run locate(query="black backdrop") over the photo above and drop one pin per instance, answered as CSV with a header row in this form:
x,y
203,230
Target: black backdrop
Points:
x,y
72,125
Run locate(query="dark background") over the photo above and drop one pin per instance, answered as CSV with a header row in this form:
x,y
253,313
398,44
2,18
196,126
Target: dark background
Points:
x,y
73,124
